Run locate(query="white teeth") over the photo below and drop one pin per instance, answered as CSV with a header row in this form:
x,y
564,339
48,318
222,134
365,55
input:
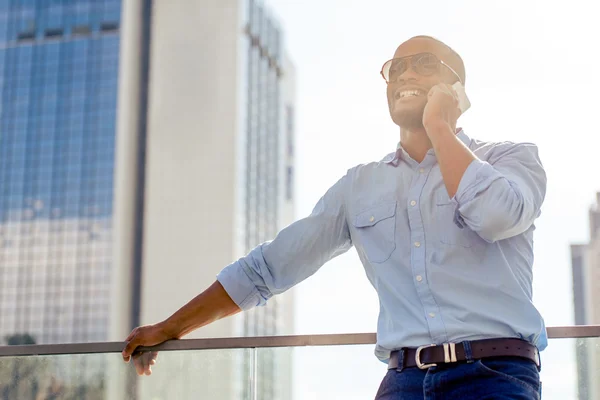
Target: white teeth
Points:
x,y
407,93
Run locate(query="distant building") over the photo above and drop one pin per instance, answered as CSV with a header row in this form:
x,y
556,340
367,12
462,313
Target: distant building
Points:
x,y
144,145
59,70
585,261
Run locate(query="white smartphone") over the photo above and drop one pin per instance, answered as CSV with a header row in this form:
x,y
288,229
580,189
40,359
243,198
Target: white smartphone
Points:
x,y
463,100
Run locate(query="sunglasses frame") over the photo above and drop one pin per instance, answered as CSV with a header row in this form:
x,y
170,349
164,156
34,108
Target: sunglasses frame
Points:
x,y
412,67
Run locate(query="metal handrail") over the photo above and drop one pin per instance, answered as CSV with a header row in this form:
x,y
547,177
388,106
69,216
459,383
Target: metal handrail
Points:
x,y
340,339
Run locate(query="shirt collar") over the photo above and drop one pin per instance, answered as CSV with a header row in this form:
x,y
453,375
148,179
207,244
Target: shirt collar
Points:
x,y
394,158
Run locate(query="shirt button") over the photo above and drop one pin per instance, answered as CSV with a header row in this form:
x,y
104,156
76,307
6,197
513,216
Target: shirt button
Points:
x,y
421,170
417,244
371,219
432,315
419,278
413,203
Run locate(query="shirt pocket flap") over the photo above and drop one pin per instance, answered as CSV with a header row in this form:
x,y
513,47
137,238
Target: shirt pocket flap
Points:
x,y
374,215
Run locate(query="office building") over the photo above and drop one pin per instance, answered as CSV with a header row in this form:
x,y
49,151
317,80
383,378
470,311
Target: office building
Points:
x,y
144,146
59,65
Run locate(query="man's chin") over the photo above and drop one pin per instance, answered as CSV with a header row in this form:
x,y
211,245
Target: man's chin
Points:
x,y
409,121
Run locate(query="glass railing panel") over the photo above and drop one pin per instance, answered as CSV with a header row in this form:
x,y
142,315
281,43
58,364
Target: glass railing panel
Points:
x,y
336,372
587,357
192,374
200,374
58,377
570,370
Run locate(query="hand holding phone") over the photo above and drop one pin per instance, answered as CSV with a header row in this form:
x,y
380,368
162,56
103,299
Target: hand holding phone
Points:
x,y
441,105
463,100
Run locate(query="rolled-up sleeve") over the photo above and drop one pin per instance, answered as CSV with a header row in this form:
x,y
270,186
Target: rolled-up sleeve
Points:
x,y
296,253
502,197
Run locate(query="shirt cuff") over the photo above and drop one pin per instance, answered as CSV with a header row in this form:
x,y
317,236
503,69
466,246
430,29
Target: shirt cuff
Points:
x,y
239,287
469,184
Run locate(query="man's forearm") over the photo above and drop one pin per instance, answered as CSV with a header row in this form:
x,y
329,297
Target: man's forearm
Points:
x,y
209,306
453,156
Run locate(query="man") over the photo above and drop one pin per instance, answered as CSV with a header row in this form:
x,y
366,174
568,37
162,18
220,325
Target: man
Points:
x,y
444,229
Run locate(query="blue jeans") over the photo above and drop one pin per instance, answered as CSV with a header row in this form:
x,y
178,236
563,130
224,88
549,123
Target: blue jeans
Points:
x,y
506,378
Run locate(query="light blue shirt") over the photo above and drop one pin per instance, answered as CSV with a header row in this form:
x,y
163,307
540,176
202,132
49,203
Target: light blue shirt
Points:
x,y
445,269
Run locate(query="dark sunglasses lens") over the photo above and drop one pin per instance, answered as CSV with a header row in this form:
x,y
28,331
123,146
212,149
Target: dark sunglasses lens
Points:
x,y
396,68
426,64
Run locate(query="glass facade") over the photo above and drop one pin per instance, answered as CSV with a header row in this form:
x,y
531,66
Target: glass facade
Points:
x,y
264,182
58,101
262,158
263,128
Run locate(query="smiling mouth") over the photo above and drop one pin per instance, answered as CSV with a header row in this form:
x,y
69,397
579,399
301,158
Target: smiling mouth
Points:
x,y
408,93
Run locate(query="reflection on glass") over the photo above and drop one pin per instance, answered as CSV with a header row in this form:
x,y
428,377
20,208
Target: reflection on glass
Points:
x,y
54,377
202,374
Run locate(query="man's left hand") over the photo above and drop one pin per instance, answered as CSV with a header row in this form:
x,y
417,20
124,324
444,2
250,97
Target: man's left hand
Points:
x,y
442,108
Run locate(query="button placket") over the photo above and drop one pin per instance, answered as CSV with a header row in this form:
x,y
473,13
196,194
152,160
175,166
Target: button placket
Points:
x,y
434,321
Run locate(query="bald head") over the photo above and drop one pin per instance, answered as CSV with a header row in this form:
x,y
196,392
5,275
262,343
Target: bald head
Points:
x,y
422,44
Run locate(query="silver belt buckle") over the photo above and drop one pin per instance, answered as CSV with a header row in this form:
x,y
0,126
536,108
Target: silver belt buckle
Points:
x,y
449,355
418,357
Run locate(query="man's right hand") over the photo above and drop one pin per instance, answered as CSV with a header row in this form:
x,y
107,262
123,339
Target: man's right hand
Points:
x,y
148,335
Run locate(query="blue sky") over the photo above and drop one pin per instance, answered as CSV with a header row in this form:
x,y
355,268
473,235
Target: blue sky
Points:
x,y
530,77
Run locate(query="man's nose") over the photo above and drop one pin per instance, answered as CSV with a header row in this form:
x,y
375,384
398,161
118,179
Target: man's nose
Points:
x,y
407,76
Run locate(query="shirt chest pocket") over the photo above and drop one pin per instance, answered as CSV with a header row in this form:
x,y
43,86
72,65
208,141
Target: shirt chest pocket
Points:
x,y
375,230
449,225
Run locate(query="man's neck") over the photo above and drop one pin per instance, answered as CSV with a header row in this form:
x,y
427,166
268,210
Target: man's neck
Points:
x,y
415,142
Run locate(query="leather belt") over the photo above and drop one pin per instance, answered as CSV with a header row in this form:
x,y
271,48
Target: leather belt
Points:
x,y
431,355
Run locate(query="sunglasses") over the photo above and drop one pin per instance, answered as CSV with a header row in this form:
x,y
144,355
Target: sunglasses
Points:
x,y
425,64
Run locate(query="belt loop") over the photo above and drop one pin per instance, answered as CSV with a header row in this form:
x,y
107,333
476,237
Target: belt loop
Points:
x,y
468,352
401,357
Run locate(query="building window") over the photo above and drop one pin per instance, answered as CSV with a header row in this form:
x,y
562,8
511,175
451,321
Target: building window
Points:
x,y
81,30
109,27
25,36
54,33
